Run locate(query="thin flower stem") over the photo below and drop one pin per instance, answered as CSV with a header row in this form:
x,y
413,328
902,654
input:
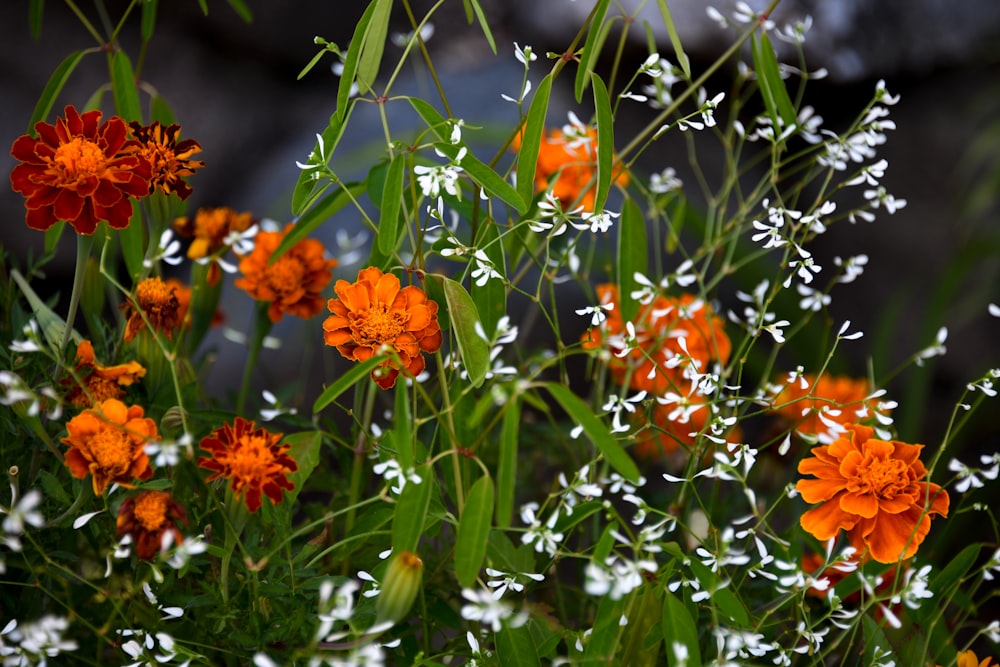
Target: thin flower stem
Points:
x,y
83,245
88,26
426,55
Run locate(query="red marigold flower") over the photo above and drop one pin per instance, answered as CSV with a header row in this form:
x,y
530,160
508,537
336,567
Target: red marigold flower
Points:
x,y
659,328
157,300
108,442
293,282
252,459
148,518
170,159
96,383
79,171
374,313
872,489
842,400
570,166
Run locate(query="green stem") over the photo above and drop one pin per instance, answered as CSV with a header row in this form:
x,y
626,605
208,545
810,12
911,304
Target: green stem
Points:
x,y
261,327
83,246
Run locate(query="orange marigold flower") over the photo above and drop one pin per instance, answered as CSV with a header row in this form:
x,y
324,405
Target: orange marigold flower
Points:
x,y
293,282
872,489
158,301
210,227
567,162
252,459
842,400
96,383
149,518
373,313
108,442
169,158
659,328
79,170
970,659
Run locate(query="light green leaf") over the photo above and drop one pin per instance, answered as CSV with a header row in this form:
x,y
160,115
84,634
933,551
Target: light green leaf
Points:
x,y
603,642
462,311
633,256
51,325
346,381
596,430
772,87
350,71
516,647
374,45
411,511
507,463
591,48
473,531
124,88
605,141
484,24
305,449
675,39
403,429
53,234
531,140
148,19
679,628
483,175
53,88
392,200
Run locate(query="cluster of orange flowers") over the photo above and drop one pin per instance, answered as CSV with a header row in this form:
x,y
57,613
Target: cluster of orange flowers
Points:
x,y
822,406
672,335
567,163
83,171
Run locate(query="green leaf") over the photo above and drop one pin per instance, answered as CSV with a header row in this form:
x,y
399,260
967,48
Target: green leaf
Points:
x,y
603,642
316,216
54,489
305,449
633,257
53,234
772,87
403,429
411,511
133,243
732,606
350,71
531,140
53,88
306,191
516,647
435,121
392,199
241,9
605,141
463,314
124,88
484,24
373,45
49,323
591,48
35,11
159,110
148,19
491,298
675,39
596,430
346,381
473,531
507,463
481,173
680,628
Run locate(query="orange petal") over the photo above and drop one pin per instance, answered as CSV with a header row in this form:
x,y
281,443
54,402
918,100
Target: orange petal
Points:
x,y
825,521
862,504
819,490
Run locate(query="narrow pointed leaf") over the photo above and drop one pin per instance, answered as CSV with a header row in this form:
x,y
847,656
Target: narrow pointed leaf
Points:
x,y
350,71
305,449
772,87
591,48
411,511
124,88
35,10
317,215
345,382
403,429
484,176
633,256
605,141
531,139
52,89
148,19
392,199
435,121
306,190
675,39
50,324
516,647
463,314
507,464
133,243
242,10
596,430
473,532
374,45
679,628
484,24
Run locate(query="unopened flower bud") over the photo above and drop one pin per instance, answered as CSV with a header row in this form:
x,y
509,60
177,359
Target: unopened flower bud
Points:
x,y
399,588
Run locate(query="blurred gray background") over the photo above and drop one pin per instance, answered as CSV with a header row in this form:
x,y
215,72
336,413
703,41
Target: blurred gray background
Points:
x,y
233,87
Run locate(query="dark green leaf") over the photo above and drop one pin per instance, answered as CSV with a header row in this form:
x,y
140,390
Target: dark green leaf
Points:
x,y
601,646
675,39
473,532
241,9
306,190
680,628
633,257
35,11
124,88
51,325
484,24
148,19
345,382
531,140
389,228
411,511
316,216
596,430
305,449
403,429
481,173
772,87
435,121
350,70
516,647
605,141
591,48
463,314
507,463
159,110
133,243
374,45
53,88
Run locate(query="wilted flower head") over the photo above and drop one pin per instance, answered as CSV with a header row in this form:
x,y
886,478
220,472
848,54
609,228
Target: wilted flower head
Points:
x,y
94,382
157,300
169,158
79,170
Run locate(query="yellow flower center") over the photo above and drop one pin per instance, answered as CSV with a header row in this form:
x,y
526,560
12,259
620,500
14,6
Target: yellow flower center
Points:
x,y
380,325
884,478
112,450
253,459
80,157
285,275
151,510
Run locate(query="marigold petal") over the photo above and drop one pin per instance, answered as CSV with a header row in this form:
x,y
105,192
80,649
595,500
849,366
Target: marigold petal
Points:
x,y
826,520
862,504
819,490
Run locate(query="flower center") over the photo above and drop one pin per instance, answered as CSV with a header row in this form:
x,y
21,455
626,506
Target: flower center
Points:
x,y
285,275
884,478
80,158
253,459
151,510
379,325
112,450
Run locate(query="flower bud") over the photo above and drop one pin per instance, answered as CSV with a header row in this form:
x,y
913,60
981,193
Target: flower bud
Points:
x,y
399,588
